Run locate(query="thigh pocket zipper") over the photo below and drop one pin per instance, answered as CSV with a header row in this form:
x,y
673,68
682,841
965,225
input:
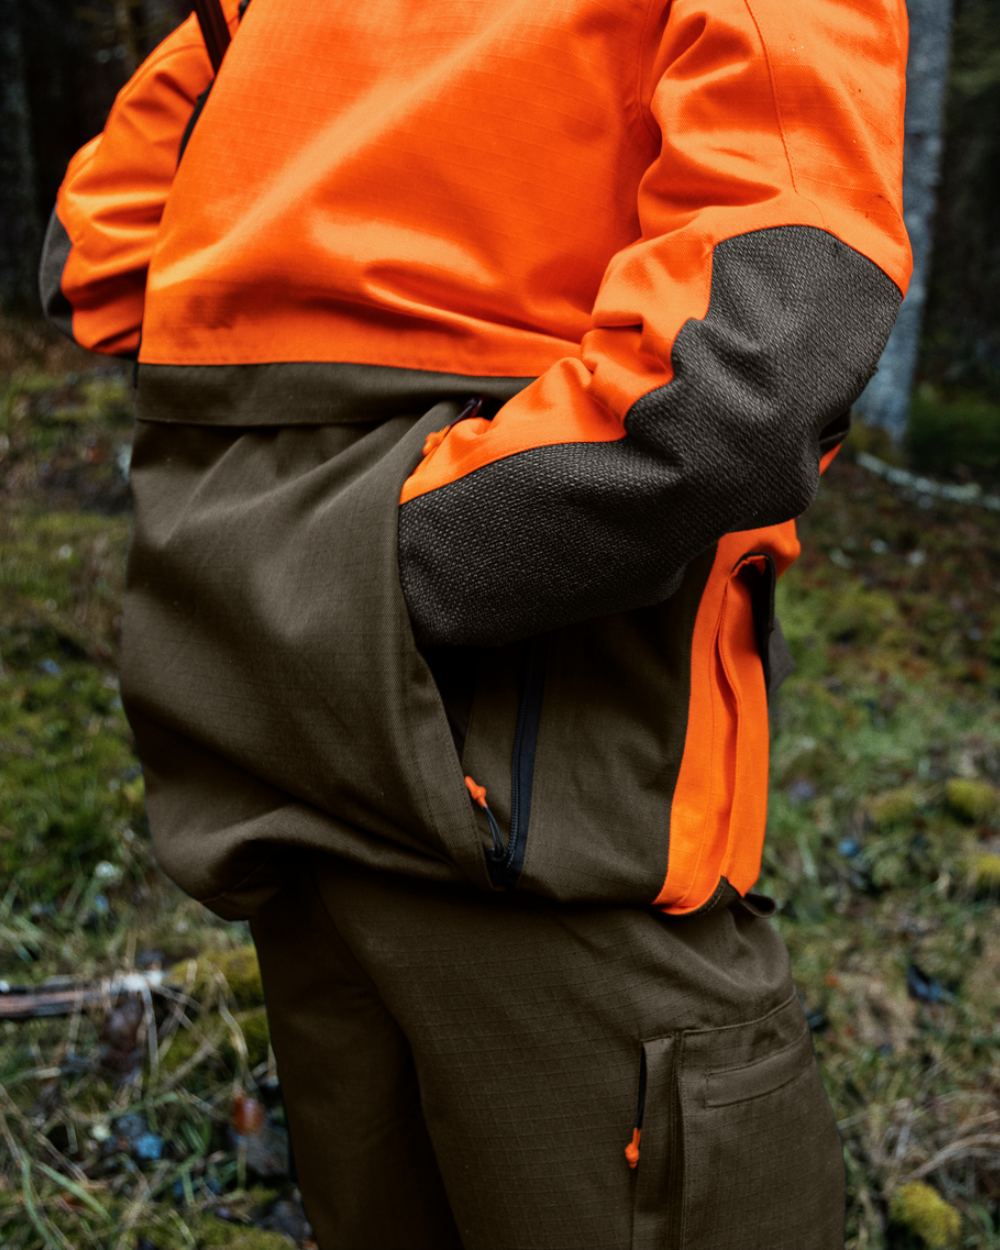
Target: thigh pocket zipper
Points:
x,y
736,1145
654,1152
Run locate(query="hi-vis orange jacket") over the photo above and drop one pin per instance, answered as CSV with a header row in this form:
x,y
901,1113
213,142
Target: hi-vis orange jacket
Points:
x,y
520,332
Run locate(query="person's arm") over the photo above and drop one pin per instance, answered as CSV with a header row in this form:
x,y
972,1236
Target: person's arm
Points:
x,y
727,343
92,277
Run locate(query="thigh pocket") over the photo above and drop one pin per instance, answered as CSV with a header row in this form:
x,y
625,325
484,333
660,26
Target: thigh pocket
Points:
x,y
739,1145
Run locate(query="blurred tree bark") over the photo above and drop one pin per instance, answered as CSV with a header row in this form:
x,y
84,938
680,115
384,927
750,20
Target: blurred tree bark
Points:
x,y
961,340
885,401
19,227
128,15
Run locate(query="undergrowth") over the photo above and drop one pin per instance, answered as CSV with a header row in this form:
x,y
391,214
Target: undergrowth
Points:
x,y
154,1122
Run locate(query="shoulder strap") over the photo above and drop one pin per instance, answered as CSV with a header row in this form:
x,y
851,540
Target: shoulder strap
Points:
x,y
214,30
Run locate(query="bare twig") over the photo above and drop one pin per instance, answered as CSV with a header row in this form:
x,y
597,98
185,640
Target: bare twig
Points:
x,y
62,997
986,1143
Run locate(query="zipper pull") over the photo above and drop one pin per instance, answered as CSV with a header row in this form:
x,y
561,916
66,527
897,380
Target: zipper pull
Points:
x,y
478,795
436,437
470,408
632,1149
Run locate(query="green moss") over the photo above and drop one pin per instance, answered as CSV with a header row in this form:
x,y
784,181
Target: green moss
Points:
x,y
106,398
922,1210
971,799
895,807
891,614
66,790
183,1046
213,1036
209,1034
983,873
237,967
169,1228
210,1232
860,615
256,1034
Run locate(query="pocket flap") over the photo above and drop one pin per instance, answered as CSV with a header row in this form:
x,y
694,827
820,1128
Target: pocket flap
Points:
x,y
750,1080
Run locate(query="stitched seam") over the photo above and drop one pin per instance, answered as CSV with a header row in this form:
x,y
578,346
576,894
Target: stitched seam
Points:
x,y
713,738
778,117
753,1098
643,107
756,1063
774,94
739,1024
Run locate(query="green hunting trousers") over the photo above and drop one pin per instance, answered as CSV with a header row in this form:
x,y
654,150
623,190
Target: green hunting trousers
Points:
x,y
469,1070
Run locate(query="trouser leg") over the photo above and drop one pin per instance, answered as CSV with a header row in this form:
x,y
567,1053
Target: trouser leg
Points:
x,y
532,1027
365,1165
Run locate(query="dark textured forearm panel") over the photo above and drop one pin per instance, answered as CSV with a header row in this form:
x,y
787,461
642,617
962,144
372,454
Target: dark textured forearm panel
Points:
x,y
795,325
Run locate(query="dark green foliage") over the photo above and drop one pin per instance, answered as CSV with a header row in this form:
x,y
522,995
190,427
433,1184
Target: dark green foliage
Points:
x,y
883,833
882,851
957,435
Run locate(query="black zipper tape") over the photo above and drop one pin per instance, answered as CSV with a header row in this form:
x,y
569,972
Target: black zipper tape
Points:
x,y
505,868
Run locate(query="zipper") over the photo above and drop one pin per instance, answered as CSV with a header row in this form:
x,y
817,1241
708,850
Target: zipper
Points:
x,y
505,860
632,1149
529,712
658,1195
675,1204
436,437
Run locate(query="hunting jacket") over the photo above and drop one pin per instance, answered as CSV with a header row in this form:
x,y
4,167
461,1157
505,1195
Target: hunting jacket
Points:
x,y
503,340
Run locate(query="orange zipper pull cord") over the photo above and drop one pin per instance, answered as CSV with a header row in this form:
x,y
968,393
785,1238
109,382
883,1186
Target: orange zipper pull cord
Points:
x,y
436,437
478,795
632,1149
477,791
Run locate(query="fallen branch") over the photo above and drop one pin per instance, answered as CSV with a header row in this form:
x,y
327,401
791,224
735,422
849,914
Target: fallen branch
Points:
x,y
64,997
968,493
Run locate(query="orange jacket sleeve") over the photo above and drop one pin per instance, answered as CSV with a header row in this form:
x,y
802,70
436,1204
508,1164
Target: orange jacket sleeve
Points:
x,y
93,271
726,345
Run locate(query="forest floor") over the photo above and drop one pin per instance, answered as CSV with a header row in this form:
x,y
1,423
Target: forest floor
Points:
x,y
153,1121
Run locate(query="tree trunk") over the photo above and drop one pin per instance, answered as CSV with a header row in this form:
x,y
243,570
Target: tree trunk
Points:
x,y
128,39
19,233
885,401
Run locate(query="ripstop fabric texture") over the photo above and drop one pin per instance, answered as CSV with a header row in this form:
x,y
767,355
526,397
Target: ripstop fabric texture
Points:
x,y
463,1073
521,331
794,328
